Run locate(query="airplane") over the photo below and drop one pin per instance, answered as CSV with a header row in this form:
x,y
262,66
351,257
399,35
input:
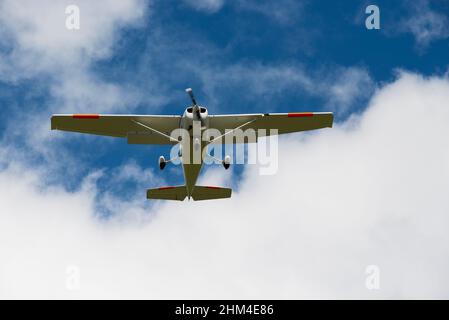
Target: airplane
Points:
x,y
158,129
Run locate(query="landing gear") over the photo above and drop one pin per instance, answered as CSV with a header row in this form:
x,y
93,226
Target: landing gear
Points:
x,y
162,162
227,162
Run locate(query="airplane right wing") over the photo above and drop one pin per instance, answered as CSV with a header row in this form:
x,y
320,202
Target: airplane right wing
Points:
x,y
282,122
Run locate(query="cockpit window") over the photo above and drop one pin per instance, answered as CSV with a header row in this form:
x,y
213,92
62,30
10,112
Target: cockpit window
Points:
x,y
189,110
203,110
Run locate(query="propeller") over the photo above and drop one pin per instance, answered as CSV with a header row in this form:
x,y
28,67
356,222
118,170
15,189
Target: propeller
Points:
x,y
196,108
190,93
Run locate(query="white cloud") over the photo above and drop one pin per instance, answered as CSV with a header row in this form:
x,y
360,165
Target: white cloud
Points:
x,y
283,11
340,87
372,190
424,23
209,6
346,87
38,45
38,29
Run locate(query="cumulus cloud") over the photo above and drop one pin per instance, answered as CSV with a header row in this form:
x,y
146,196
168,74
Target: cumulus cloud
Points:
x,y
424,23
209,6
346,87
36,43
36,46
340,87
39,29
121,190
284,11
370,191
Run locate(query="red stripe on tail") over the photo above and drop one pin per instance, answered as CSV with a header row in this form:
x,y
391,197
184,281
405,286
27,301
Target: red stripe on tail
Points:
x,y
166,188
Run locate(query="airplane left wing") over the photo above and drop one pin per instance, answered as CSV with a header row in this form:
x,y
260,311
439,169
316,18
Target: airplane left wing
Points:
x,y
138,129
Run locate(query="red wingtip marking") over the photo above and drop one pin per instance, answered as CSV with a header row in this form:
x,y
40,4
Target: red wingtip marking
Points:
x,y
86,116
300,114
212,187
166,188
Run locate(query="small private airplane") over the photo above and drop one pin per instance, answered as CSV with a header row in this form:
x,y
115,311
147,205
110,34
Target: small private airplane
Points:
x,y
158,129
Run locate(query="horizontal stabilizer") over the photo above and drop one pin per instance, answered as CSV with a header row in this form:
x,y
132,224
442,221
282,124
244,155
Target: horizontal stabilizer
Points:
x,y
209,193
168,193
180,193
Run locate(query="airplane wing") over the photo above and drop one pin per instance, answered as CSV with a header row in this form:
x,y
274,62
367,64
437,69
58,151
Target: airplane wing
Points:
x,y
138,129
283,122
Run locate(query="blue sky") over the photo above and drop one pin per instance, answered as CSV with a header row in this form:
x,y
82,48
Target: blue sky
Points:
x,y
240,57
370,191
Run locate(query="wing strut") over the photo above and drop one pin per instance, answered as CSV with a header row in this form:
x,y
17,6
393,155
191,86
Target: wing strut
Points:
x,y
228,132
156,131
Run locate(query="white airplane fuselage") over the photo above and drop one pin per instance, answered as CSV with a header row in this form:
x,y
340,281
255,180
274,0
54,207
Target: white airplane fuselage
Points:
x,y
195,121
